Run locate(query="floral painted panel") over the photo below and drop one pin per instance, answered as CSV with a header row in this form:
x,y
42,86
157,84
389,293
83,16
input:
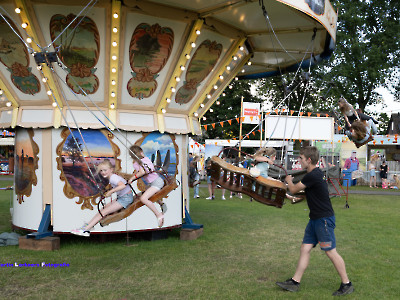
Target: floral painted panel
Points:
x,y
79,50
149,51
14,55
203,61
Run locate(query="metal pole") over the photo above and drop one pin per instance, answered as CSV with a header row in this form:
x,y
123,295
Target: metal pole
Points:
x,y
240,124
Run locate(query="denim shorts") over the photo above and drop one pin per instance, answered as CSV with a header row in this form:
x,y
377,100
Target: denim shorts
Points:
x,y
209,179
125,200
158,183
321,231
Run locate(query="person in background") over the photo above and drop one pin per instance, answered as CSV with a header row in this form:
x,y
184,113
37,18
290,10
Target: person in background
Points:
x,y
384,168
211,185
372,174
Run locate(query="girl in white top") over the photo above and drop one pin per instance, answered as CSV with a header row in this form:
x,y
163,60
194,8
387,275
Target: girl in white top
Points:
x,y
124,197
350,114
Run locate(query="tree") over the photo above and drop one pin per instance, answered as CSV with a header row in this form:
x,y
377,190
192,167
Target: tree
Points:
x,y
367,51
367,55
228,107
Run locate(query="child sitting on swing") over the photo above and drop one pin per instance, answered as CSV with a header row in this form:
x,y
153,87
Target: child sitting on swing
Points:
x,y
124,197
144,167
263,158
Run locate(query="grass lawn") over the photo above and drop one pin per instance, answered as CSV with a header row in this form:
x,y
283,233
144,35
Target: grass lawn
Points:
x,y
245,249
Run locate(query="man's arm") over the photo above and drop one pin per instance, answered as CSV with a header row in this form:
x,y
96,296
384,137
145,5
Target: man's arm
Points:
x,y
294,188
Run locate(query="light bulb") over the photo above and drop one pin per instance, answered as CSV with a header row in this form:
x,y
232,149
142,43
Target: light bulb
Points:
x,y
114,57
24,25
168,100
241,48
228,68
249,63
113,94
187,56
29,40
44,79
196,114
115,16
8,104
177,79
173,89
193,45
208,96
234,58
18,10
49,92
221,77
54,104
183,68
112,105
215,87
211,110
163,111
115,29
198,32
114,70
113,82
114,44
202,105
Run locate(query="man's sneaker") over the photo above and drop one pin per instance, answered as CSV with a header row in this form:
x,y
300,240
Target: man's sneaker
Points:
x,y
223,198
289,285
196,197
344,289
81,232
164,208
209,198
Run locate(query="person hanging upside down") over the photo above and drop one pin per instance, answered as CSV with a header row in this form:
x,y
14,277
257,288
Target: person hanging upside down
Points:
x,y
350,114
265,157
124,197
144,167
361,131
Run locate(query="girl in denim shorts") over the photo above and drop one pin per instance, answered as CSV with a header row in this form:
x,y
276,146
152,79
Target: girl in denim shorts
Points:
x,y
124,197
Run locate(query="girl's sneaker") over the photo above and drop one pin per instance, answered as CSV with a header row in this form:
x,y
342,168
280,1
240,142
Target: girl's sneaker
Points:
x,y
81,232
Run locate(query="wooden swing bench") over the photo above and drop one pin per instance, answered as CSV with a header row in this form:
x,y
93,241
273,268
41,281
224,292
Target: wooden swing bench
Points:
x,y
264,190
169,185
371,138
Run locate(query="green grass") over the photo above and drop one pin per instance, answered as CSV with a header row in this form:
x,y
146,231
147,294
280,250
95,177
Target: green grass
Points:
x,y
245,248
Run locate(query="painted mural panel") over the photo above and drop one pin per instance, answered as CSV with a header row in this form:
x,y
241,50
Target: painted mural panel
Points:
x,y
15,56
25,163
149,51
78,47
78,156
201,64
162,151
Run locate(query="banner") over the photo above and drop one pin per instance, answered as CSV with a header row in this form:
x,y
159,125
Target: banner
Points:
x,y
251,113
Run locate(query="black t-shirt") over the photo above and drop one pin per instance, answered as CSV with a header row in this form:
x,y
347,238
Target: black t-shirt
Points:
x,y
317,195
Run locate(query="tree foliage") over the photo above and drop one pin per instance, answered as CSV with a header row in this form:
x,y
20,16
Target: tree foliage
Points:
x,y
228,107
367,51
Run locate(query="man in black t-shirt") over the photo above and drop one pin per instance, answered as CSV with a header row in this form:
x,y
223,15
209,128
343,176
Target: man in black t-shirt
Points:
x,y
320,228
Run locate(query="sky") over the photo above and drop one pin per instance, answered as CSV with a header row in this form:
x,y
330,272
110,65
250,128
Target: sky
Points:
x,y
388,99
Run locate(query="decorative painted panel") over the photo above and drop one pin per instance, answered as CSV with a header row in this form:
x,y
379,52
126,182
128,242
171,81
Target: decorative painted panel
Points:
x,y
26,163
79,49
15,56
203,61
78,157
149,51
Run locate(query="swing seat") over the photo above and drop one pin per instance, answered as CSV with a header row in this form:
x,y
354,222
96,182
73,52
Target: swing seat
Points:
x,y
264,190
169,185
371,138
